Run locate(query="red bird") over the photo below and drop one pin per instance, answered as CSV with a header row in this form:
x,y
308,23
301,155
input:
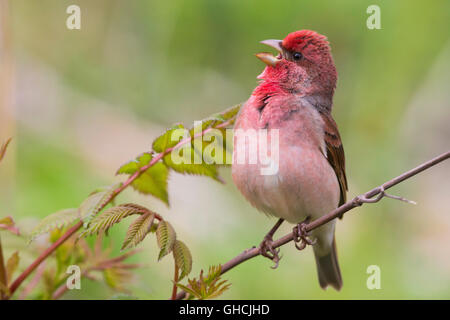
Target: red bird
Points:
x,y
295,98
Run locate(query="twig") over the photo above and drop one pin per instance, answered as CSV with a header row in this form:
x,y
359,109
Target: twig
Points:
x,y
33,282
175,281
3,276
117,191
372,196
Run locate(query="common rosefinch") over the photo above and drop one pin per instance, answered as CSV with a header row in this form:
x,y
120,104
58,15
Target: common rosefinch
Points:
x,y
295,96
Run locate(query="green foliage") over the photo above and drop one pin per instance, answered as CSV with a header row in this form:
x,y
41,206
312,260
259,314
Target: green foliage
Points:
x,y
208,287
117,278
11,266
95,202
183,258
165,236
7,223
102,222
152,181
166,140
58,219
138,230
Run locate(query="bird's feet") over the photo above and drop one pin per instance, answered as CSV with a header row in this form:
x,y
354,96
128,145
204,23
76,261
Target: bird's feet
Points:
x,y
267,250
301,236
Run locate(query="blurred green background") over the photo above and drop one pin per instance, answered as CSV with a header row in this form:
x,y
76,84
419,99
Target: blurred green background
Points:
x,y
79,103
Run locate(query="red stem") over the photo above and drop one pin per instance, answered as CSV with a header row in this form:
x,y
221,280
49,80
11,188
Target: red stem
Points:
x,y
77,226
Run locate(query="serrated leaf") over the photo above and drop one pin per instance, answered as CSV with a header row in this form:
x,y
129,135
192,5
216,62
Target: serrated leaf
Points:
x,y
208,287
95,202
165,236
153,181
134,165
11,265
138,230
189,290
231,112
167,139
183,258
58,219
186,165
105,220
3,149
116,278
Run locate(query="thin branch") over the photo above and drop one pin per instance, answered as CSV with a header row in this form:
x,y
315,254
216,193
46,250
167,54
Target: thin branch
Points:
x,y
3,276
117,191
33,282
372,196
175,281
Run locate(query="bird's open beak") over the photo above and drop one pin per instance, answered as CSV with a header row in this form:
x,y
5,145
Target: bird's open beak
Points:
x,y
276,44
269,58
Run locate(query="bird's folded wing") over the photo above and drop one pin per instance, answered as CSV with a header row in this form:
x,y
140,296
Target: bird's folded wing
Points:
x,y
335,153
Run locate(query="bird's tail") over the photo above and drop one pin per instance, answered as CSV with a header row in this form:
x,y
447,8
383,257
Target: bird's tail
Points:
x,y
328,268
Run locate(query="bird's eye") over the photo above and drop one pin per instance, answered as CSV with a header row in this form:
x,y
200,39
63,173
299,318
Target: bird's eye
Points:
x,y
297,56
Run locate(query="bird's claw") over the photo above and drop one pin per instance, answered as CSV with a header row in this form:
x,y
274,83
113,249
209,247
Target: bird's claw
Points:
x,y
267,250
301,236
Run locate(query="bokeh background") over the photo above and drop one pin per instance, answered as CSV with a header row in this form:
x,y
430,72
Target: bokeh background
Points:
x,y
79,103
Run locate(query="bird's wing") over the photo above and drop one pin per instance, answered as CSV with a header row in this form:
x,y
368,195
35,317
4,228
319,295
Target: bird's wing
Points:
x,y
335,153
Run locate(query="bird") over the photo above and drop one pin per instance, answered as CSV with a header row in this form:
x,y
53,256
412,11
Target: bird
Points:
x,y
294,97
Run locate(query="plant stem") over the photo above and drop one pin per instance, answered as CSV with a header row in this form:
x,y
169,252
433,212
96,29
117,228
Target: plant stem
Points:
x,y
175,281
128,182
3,276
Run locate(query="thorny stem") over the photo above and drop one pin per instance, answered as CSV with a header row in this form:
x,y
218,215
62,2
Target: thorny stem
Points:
x,y
117,191
358,201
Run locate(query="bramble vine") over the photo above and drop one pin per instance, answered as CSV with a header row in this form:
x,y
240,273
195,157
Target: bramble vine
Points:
x,y
148,174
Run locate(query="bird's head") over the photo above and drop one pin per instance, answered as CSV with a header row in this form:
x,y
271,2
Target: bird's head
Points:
x,y
304,63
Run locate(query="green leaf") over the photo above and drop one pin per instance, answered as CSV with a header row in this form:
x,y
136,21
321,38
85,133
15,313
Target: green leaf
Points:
x,y
7,221
186,165
208,287
183,258
165,236
58,219
153,181
231,112
95,202
111,216
166,140
138,230
11,266
116,278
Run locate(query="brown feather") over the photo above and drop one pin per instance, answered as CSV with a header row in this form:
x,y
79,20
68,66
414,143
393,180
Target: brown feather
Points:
x,y
335,153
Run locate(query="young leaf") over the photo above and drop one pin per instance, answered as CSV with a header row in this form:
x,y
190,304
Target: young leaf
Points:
x,y
165,236
138,230
11,265
186,165
111,216
168,139
231,112
3,149
153,181
58,219
96,200
7,223
183,258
